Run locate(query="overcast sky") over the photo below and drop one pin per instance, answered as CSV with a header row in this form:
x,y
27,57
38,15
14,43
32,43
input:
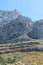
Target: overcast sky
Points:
x,y
29,8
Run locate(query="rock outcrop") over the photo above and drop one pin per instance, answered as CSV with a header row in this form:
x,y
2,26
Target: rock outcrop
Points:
x,y
13,25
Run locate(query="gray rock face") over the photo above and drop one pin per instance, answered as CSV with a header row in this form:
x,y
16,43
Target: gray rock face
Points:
x,y
39,27
7,16
18,27
13,25
37,30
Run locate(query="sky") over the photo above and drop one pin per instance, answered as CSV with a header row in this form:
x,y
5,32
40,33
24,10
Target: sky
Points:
x,y
29,8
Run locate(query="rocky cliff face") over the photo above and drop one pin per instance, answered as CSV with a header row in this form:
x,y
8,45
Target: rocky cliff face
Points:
x,y
13,25
37,30
7,16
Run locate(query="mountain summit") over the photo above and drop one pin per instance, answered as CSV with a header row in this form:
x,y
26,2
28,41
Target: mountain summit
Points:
x,y
7,16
